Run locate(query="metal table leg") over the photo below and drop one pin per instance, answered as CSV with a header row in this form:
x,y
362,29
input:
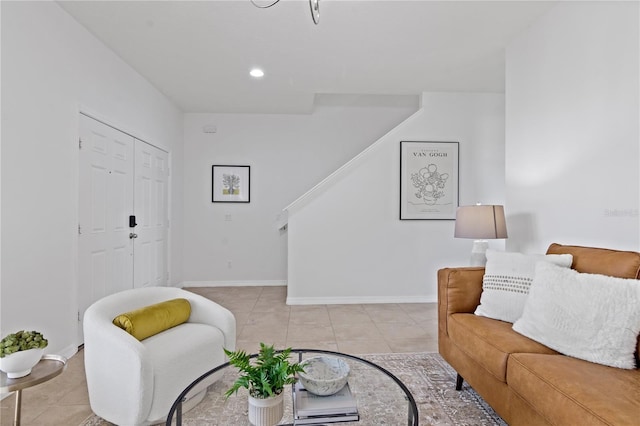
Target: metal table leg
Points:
x,y
16,417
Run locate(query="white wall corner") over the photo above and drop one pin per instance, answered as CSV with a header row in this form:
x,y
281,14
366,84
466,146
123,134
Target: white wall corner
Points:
x,y
282,220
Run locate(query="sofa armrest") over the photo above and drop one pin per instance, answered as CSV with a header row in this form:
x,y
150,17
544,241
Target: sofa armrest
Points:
x,y
459,290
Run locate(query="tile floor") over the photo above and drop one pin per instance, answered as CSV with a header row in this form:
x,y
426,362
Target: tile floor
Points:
x,y
260,315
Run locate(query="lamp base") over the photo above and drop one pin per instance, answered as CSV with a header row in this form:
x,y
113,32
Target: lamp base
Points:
x,y
479,253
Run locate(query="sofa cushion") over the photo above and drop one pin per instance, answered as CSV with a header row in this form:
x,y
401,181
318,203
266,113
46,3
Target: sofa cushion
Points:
x,y
153,319
180,355
567,390
506,282
617,263
490,342
589,316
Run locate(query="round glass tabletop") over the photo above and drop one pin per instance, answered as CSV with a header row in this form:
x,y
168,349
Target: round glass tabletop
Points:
x,y
381,397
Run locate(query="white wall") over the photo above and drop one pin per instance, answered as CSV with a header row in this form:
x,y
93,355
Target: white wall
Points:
x,y
572,128
288,155
346,242
51,69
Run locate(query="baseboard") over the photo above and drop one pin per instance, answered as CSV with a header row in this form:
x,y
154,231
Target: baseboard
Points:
x,y
243,283
351,300
345,300
69,351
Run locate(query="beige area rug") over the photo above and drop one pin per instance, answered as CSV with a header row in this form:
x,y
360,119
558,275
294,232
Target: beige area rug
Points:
x,y
429,378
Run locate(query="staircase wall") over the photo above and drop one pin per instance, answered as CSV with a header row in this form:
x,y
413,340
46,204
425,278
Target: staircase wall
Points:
x,y
346,243
238,244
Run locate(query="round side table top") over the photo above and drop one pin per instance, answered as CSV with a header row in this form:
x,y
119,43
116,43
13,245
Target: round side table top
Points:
x,y
46,369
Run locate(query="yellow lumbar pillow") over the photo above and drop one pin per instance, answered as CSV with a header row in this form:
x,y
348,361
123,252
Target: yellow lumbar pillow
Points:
x,y
153,319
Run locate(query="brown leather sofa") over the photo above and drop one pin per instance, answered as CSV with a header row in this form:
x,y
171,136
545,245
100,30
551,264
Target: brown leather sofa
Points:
x,y
524,381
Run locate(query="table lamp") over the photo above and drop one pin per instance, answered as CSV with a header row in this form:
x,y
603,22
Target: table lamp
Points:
x,y
482,223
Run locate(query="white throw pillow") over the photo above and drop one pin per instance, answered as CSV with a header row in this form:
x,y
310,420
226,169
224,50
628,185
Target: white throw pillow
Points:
x,y
506,281
587,316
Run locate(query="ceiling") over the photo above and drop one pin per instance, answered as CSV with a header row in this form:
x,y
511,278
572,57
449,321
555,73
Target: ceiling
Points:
x,y
199,53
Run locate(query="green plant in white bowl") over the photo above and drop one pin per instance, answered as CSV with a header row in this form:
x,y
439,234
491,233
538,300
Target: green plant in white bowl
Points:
x,y
20,351
22,341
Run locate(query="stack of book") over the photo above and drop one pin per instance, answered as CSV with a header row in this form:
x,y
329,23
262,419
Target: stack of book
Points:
x,y
310,409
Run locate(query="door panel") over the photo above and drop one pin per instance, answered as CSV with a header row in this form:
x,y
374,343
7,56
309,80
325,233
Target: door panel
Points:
x,y
105,252
152,175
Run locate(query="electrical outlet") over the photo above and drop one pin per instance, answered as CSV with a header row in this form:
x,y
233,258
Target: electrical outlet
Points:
x,y
227,217
229,264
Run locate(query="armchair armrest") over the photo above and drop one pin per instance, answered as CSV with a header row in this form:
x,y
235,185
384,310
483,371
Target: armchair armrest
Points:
x,y
111,354
205,311
459,290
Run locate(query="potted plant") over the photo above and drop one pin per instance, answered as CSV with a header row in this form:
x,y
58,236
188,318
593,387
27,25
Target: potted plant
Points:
x,y
265,379
20,352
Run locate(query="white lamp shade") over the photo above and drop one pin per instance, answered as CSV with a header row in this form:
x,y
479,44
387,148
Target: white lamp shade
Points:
x,y
480,222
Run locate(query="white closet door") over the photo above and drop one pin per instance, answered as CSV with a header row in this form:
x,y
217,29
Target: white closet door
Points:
x,y
105,250
151,210
120,176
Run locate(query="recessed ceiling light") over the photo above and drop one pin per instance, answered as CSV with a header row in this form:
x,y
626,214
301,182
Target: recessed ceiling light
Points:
x,y
256,72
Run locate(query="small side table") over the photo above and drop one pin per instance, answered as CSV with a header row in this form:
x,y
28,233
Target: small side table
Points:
x,y
46,369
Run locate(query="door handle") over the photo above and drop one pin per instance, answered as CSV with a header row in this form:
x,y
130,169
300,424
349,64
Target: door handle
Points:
x,y
133,235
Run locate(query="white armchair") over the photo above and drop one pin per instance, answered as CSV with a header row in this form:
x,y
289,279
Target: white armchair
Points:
x,y
135,382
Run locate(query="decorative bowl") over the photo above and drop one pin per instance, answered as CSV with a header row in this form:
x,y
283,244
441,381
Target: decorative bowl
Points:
x,y
324,375
19,364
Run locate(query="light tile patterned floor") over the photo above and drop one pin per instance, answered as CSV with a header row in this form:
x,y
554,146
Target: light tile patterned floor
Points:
x,y
261,316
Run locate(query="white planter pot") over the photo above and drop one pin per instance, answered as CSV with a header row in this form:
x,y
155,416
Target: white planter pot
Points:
x,y
19,364
266,412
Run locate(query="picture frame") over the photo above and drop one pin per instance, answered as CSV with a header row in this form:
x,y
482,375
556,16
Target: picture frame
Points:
x,y
230,184
429,174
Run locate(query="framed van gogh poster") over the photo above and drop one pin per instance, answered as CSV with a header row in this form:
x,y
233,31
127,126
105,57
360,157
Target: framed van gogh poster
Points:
x,y
230,184
428,180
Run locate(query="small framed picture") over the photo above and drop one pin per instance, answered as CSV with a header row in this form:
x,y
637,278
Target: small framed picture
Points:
x,y
428,180
230,184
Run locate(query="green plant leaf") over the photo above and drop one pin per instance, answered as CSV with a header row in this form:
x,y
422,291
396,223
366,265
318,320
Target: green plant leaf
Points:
x,y
269,374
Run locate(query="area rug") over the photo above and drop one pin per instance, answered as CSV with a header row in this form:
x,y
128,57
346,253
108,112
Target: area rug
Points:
x,y
429,378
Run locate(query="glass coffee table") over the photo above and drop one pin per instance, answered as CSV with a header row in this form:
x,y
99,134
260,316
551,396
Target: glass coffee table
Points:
x,y
381,397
